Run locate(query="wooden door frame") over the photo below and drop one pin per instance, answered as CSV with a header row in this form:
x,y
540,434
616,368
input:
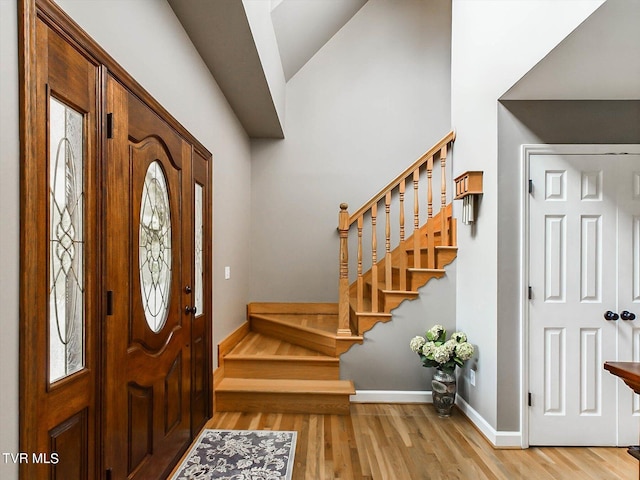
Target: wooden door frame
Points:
x,y
527,150
55,18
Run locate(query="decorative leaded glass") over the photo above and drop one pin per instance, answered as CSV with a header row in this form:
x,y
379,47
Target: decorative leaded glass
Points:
x,y
66,241
199,237
155,247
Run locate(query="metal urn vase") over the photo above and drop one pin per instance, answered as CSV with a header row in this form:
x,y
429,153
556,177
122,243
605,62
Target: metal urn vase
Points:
x,y
443,388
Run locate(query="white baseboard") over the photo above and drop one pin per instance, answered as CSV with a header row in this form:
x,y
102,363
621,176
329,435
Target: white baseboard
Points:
x,y
497,438
391,396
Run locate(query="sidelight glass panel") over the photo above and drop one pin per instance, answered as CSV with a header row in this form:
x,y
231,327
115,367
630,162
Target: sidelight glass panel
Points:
x,y
66,241
155,247
199,237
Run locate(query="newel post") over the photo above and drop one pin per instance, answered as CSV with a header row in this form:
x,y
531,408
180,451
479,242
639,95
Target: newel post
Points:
x,y
343,285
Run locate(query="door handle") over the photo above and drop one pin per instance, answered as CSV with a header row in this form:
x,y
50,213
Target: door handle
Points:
x,y
626,315
609,315
190,310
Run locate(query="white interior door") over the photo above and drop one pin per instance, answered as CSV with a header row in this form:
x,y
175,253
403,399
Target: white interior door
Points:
x,y
580,217
628,290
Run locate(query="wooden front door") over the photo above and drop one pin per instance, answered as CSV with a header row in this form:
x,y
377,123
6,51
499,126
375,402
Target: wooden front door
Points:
x,y
149,280
115,302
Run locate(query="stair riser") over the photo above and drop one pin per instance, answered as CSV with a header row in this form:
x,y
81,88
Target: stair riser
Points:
x,y
446,256
299,369
415,281
366,323
387,301
391,300
313,403
443,258
290,334
419,279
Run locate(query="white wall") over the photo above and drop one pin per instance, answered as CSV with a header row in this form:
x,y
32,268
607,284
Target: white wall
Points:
x,y
494,44
9,233
259,17
384,363
302,27
148,41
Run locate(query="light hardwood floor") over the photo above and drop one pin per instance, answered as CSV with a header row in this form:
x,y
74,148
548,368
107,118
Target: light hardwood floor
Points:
x,y
410,442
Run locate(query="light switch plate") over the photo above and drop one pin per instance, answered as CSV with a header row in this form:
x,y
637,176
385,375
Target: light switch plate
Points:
x,y
227,273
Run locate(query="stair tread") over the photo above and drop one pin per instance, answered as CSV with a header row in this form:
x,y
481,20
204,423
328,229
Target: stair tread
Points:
x,y
284,358
256,344
322,323
374,314
423,248
399,292
340,387
427,270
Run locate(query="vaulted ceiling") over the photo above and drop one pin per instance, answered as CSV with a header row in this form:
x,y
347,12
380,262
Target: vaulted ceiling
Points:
x,y
222,34
302,27
598,60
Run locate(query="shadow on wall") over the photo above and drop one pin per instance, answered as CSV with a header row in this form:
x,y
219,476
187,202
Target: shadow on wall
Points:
x,y
582,121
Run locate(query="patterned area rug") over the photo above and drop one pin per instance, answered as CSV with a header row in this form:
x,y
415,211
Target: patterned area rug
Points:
x,y
240,455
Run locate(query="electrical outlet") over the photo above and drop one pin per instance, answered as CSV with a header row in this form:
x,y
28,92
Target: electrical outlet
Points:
x,y
227,273
472,377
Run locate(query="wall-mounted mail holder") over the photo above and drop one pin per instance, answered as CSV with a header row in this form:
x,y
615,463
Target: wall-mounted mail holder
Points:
x,y
468,188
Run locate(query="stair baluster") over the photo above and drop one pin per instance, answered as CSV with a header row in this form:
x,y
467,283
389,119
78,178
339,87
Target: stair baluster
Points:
x,y
360,284
387,242
431,251
416,219
374,258
403,253
443,193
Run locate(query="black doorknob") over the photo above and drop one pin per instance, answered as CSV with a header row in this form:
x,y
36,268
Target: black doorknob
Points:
x,y
626,315
609,315
188,309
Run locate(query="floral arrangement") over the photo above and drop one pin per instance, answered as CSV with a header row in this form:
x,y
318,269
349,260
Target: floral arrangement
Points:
x,y
436,351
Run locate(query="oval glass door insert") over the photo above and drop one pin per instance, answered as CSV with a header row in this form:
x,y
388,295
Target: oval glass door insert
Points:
x,y
155,247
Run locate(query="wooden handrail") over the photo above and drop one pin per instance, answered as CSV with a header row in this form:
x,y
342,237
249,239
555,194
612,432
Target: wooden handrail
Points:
x,y
448,138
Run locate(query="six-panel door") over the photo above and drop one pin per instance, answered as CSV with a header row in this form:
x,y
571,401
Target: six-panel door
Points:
x,y
581,264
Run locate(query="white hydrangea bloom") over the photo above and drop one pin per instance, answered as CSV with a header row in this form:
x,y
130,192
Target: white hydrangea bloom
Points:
x,y
450,345
435,331
459,337
416,343
441,354
428,348
464,350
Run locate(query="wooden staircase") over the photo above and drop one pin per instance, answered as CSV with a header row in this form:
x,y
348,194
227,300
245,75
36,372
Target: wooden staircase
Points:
x,y
285,358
